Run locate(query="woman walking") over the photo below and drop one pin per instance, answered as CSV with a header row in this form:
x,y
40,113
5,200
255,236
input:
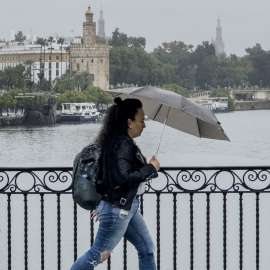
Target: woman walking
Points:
x,y
125,172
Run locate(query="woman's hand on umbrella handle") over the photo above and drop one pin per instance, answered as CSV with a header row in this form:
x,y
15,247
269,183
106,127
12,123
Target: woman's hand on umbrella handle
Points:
x,y
94,215
155,163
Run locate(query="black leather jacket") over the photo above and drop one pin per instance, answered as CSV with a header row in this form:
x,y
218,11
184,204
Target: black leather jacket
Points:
x,y
127,170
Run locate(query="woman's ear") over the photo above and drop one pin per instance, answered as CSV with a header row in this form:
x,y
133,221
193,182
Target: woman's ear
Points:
x,y
129,123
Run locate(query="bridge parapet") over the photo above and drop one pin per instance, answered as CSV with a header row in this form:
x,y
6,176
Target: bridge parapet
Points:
x,y
219,208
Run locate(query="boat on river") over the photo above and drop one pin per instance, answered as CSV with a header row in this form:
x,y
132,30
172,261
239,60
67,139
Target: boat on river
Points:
x,y
79,112
215,104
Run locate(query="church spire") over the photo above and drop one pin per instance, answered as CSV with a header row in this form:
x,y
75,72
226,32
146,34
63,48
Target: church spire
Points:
x,y
101,25
219,44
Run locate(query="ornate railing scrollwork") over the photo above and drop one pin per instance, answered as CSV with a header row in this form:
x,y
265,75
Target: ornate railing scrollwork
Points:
x,y
35,180
211,179
171,179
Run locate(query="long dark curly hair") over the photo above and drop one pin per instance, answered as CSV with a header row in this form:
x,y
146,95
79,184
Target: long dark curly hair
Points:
x,y
115,122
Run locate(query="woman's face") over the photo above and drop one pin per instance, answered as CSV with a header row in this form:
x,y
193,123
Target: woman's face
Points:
x,y
136,127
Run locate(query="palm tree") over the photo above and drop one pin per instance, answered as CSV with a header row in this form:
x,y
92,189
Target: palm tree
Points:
x,y
68,51
50,39
61,41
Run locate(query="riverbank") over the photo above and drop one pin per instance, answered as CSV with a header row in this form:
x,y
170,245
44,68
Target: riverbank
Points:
x,y
11,120
15,120
252,105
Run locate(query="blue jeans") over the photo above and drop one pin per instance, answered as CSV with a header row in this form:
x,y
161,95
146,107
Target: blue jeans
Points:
x,y
115,224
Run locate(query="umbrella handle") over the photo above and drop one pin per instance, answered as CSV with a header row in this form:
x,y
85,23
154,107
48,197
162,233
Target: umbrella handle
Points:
x,y
162,132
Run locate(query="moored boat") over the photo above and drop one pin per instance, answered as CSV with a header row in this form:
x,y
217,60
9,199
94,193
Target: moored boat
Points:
x,y
79,112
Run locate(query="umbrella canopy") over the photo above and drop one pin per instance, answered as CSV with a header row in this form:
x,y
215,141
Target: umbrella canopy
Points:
x,y
175,110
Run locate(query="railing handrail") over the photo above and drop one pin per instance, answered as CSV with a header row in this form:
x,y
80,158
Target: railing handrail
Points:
x,y
69,168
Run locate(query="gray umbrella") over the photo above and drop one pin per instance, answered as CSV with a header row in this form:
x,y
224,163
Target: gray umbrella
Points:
x,y
175,111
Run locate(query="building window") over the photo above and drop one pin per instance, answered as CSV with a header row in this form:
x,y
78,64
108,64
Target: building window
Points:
x,y
78,67
57,65
57,57
92,61
50,57
82,60
57,73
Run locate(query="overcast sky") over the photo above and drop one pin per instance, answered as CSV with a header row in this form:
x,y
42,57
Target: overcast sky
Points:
x,y
244,22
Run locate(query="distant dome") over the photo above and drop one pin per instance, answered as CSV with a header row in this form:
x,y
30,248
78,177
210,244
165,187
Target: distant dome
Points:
x,y
89,11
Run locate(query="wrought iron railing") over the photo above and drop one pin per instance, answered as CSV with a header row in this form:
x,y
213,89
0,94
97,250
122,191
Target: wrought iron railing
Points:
x,y
215,202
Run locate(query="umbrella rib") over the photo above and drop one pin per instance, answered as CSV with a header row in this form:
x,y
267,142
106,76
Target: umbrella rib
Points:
x,y
157,111
198,128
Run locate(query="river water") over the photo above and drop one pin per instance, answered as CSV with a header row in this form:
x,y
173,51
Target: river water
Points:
x,y
56,146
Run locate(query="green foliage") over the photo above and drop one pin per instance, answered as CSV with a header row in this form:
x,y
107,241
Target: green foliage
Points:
x,y
122,40
260,61
12,77
7,102
137,67
19,36
176,56
118,39
90,94
77,81
176,89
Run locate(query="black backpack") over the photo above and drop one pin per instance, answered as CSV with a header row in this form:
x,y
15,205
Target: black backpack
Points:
x,y
86,176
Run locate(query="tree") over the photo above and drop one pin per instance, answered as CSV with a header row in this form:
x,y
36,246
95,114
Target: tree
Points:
x,y
12,77
176,89
97,96
259,60
136,42
70,97
50,40
78,81
7,102
61,42
118,39
135,66
177,55
205,62
19,36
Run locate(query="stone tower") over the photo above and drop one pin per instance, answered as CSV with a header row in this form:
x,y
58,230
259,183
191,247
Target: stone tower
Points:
x,y
101,26
90,56
219,44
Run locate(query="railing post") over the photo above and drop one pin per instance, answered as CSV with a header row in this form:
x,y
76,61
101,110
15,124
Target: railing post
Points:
x,y
58,232
75,231
224,231
25,232
158,230
9,230
191,232
208,231
257,230
125,254
42,230
240,231
175,231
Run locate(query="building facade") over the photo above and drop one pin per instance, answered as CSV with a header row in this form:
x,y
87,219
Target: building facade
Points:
x,y
51,61
90,56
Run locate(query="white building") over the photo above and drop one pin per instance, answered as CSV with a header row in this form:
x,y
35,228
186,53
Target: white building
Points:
x,y
52,62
